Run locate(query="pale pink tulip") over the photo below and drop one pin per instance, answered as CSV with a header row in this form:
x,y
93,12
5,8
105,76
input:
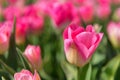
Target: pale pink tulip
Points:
x,y
33,54
80,43
103,11
113,31
26,75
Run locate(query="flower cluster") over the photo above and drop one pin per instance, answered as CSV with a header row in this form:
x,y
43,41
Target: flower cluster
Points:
x,y
51,39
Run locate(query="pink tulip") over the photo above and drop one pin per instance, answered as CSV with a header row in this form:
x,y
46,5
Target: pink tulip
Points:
x,y
11,12
33,54
80,43
113,31
21,31
5,31
26,75
86,13
103,11
57,10
33,19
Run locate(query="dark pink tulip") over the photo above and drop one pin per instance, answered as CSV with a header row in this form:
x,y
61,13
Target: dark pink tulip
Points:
x,y
26,75
113,31
33,54
80,43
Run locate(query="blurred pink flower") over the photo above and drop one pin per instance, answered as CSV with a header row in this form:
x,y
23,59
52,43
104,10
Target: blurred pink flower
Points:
x,y
80,43
21,31
116,2
113,31
61,13
26,75
11,12
103,11
86,13
5,32
33,54
32,17
104,2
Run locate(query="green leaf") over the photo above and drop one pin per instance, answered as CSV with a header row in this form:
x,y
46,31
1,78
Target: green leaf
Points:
x,y
7,68
85,72
22,59
69,70
109,71
12,53
6,75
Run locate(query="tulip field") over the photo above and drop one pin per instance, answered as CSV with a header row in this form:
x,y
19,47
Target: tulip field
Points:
x,y
59,39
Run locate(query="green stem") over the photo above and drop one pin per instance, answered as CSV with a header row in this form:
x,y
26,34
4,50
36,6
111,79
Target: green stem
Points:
x,y
77,73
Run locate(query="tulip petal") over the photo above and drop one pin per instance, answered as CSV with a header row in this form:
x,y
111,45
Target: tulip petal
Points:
x,y
36,76
67,43
94,46
89,28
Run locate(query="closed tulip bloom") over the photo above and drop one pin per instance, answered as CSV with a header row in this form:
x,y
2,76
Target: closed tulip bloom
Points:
x,y
113,31
80,43
26,75
33,54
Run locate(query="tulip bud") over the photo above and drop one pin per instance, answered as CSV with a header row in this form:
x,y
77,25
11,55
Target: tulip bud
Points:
x,y
26,75
113,31
80,44
33,54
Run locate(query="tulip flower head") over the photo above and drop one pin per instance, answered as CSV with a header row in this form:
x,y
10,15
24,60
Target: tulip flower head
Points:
x,y
113,30
80,43
26,75
33,55
86,13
